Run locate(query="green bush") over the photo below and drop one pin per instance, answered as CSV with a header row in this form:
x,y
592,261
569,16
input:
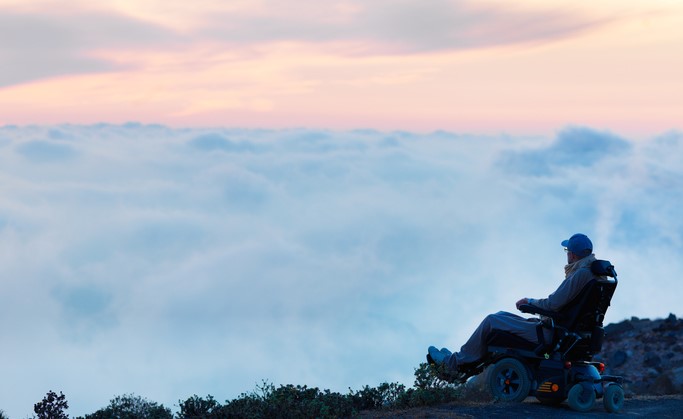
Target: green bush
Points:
x,y
196,407
52,406
429,389
289,401
384,396
131,407
283,402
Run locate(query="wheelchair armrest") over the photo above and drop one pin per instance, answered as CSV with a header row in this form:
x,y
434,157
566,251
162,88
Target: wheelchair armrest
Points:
x,y
531,309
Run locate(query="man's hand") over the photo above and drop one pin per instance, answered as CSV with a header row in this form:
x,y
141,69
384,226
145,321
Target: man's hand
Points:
x,y
522,301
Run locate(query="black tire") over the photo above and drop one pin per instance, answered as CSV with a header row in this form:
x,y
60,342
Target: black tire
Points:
x,y
581,398
509,380
613,398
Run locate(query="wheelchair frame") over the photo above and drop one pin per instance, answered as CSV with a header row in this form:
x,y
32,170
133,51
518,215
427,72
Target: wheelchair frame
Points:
x,y
562,369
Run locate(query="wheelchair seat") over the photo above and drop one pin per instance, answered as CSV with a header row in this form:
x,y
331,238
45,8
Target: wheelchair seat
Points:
x,y
576,328
506,339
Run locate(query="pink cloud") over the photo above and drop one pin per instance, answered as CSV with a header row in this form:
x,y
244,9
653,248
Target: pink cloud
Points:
x,y
398,26
384,64
40,45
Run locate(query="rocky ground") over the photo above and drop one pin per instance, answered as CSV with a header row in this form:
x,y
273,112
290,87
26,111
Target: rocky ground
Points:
x,y
660,407
647,353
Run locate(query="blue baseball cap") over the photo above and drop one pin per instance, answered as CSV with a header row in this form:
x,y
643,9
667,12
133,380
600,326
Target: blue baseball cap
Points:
x,y
579,244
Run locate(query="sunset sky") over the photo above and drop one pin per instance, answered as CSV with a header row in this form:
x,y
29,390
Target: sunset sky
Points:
x,y
476,66
196,196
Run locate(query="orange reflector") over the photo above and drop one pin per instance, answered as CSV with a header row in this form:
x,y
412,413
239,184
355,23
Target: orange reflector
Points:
x,y
555,387
601,368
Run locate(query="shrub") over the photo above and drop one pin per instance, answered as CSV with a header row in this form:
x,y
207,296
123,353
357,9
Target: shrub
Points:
x,y
52,406
384,396
132,407
289,401
429,389
196,407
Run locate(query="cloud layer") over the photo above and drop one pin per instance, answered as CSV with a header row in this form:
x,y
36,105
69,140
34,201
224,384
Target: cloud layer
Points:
x,y
171,262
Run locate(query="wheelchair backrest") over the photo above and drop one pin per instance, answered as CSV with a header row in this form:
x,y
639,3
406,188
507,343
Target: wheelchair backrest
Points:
x,y
587,310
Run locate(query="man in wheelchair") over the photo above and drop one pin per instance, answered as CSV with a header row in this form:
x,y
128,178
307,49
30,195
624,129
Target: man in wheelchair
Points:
x,y
549,357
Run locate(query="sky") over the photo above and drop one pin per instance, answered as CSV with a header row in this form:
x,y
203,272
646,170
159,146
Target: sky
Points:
x,y
196,197
523,67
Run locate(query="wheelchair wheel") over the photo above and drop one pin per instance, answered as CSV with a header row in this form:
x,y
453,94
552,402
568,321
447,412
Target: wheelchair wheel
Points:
x,y
613,398
581,398
509,381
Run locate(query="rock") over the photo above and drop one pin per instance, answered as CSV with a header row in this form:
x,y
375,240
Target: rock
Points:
x,y
640,324
676,377
671,382
670,339
648,354
477,388
652,360
639,387
662,386
618,359
613,330
671,323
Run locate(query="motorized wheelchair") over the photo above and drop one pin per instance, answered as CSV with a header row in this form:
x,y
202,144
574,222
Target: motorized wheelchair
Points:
x,y
561,368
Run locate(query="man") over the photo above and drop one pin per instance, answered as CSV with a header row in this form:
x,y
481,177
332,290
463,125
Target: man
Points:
x,y
579,250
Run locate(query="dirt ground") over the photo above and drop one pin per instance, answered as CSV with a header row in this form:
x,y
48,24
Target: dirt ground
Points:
x,y
642,406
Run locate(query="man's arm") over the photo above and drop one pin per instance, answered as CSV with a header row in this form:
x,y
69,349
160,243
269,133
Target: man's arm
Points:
x,y
567,290
522,301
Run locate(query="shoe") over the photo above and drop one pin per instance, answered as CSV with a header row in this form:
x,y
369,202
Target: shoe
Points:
x,y
443,363
437,356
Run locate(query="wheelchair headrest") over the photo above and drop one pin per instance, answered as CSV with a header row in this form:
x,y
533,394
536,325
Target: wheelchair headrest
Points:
x,y
603,268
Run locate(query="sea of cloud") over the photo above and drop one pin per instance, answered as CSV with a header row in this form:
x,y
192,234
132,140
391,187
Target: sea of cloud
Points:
x,y
171,262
